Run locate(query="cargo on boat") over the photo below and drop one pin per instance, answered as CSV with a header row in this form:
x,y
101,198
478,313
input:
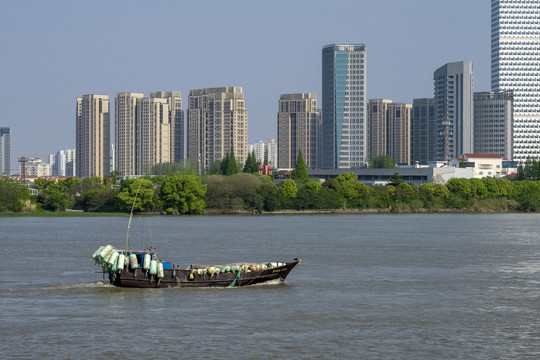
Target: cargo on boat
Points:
x,y
142,269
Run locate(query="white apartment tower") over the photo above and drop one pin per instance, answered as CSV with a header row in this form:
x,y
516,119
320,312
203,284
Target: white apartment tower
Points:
x,y
153,134
216,121
176,122
266,148
92,136
63,163
125,105
515,66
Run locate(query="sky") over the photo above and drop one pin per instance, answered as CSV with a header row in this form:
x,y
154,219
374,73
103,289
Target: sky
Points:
x,y
51,52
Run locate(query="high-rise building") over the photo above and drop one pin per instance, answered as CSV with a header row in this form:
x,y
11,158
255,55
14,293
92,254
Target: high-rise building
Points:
x,y
399,132
454,112
216,122
272,152
259,148
63,163
390,130
152,134
515,66
493,114
266,148
92,136
344,122
299,129
125,105
378,127
5,151
148,130
125,112
423,131
176,122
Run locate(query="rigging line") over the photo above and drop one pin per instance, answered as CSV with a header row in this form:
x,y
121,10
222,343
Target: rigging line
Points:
x,y
131,213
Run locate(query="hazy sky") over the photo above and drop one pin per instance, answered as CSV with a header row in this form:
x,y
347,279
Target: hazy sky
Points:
x,y
54,51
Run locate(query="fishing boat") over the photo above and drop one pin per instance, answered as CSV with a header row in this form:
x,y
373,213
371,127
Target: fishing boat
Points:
x,y
142,269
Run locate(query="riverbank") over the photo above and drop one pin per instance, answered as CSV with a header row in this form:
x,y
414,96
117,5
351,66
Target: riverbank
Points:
x,y
215,212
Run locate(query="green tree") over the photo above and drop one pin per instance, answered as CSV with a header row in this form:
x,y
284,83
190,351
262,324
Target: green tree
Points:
x,y
53,194
395,180
231,164
138,193
187,165
406,193
441,191
349,189
478,188
288,189
215,167
527,194
113,178
459,192
300,171
252,165
13,194
382,162
238,192
184,193
270,196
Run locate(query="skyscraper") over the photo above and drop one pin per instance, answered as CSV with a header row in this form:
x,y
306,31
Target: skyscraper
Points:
x,y
493,114
423,131
515,66
390,130
176,122
344,123
152,134
454,112
399,132
125,105
299,127
5,151
63,163
216,121
148,130
92,136
378,127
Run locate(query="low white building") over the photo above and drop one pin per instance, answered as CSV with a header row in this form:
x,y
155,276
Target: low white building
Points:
x,y
484,165
34,167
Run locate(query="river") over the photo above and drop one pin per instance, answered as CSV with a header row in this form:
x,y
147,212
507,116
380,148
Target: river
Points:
x,y
446,286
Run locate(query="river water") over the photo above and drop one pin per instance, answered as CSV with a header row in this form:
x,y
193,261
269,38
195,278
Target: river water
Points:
x,y
446,286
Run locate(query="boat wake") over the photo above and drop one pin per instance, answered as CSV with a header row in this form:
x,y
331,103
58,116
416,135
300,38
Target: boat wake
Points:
x,y
55,287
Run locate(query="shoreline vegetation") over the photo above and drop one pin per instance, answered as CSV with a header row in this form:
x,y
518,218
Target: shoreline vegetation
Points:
x,y
185,193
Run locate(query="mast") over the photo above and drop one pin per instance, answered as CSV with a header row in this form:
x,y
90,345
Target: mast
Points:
x,y
131,213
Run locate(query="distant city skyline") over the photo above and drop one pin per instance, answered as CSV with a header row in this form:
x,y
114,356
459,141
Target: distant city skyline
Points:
x,y
49,48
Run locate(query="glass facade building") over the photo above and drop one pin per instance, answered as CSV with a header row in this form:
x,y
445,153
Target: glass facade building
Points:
x,y
344,123
5,151
515,66
423,131
493,123
454,111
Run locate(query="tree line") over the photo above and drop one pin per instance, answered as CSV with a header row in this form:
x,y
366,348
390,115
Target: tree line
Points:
x,y
176,189
189,193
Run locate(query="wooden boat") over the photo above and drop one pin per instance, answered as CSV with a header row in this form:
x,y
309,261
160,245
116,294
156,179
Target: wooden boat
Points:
x,y
141,269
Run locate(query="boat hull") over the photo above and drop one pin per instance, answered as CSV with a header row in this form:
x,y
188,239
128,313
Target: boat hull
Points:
x,y
139,278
